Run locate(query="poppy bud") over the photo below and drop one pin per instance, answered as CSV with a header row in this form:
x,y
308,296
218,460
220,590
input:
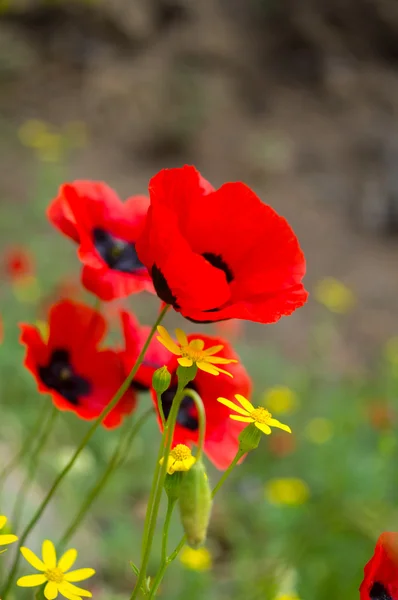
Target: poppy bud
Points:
x,y
249,438
161,380
195,504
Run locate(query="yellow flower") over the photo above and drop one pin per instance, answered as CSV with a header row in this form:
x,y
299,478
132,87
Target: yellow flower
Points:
x,y
287,597
280,399
179,459
260,416
193,353
6,538
391,351
290,491
319,430
335,295
196,560
55,574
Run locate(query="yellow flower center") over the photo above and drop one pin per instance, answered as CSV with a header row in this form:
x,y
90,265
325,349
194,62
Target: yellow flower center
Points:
x,y
195,355
261,415
55,575
181,452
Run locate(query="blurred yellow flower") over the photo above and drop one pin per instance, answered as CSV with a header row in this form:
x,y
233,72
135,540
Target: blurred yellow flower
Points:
x,y
391,350
319,430
335,295
280,399
44,329
289,491
55,574
5,538
196,560
180,459
31,132
287,597
43,139
27,289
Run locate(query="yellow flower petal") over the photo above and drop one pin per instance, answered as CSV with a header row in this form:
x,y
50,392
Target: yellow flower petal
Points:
x,y
207,368
213,350
7,539
189,462
197,345
276,423
263,427
219,360
243,419
233,406
67,593
73,589
181,337
79,575
167,341
3,521
244,402
67,560
49,554
31,580
51,590
185,361
32,559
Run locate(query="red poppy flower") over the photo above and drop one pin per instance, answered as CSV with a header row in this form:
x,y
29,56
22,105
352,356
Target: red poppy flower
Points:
x,y
106,229
18,263
155,357
381,572
219,254
221,442
69,365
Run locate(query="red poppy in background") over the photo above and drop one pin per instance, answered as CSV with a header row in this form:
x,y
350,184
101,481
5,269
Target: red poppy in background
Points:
x,y
381,572
155,357
91,213
221,442
18,263
69,365
219,254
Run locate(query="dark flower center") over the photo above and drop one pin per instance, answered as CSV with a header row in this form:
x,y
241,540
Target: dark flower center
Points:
x,y
217,261
118,254
162,287
59,375
187,416
379,592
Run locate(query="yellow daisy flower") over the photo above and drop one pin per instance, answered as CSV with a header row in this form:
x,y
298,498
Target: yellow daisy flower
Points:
x,y
6,538
54,573
260,416
193,352
179,459
196,560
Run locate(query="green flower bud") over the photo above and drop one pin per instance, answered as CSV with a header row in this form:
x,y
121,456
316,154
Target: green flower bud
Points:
x,y
249,438
195,504
161,380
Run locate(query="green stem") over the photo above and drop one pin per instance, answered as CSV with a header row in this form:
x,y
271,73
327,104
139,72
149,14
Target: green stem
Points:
x,y
176,551
32,468
117,458
166,527
116,398
157,488
7,470
201,419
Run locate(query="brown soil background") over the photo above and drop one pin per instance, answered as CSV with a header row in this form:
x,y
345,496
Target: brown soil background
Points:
x,y
297,99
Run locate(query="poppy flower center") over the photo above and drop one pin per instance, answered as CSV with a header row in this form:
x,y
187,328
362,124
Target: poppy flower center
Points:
x,y
181,452
55,575
187,416
59,375
379,592
118,254
261,415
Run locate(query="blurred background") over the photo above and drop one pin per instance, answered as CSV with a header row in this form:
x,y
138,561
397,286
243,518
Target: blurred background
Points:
x,y
299,100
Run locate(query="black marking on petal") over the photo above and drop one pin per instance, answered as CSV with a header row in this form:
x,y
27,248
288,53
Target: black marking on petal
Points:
x,y
118,254
139,387
379,592
59,375
162,287
217,261
187,416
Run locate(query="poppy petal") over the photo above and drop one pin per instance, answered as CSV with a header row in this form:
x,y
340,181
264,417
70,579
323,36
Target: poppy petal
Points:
x,y
31,580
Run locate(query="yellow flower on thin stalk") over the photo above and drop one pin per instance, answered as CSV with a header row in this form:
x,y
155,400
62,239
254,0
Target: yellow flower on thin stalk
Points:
x,y
179,459
247,413
196,560
193,352
280,399
334,295
6,538
288,491
55,573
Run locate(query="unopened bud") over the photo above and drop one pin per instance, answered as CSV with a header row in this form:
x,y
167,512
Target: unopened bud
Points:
x,y
172,485
249,438
195,504
161,380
